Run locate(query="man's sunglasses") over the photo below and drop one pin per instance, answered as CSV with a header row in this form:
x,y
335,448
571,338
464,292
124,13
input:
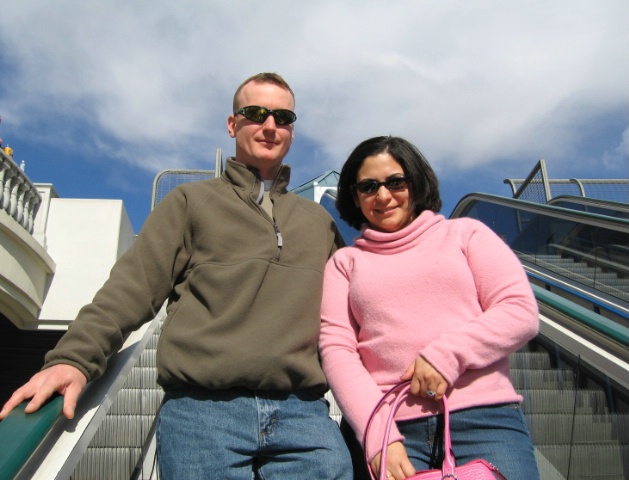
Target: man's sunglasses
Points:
x,y
392,184
260,114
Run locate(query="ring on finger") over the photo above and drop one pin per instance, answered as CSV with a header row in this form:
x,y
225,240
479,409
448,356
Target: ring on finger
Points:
x,y
431,393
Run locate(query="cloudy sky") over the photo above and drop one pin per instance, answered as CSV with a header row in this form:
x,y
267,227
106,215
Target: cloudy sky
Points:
x,y
98,96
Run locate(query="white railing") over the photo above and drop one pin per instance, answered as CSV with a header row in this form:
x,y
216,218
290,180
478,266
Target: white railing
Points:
x,y
18,196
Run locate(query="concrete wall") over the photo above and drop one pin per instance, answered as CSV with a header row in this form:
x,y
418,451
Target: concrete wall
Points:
x,y
85,238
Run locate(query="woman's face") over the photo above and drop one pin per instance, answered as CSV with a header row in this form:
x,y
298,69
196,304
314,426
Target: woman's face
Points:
x,y
387,210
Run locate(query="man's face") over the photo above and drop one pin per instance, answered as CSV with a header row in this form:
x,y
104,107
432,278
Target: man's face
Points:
x,y
262,145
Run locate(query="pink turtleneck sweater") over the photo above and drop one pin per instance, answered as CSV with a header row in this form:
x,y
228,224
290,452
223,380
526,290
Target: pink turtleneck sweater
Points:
x,y
449,290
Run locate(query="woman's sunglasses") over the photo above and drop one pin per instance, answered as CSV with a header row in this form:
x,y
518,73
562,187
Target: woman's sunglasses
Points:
x,y
260,114
392,184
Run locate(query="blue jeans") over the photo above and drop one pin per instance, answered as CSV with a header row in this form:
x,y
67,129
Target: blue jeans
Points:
x,y
498,434
244,435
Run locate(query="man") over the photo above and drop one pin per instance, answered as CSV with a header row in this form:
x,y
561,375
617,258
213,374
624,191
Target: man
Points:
x,y
240,261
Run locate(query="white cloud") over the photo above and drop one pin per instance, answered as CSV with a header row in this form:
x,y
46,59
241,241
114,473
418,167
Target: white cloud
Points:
x,y
469,82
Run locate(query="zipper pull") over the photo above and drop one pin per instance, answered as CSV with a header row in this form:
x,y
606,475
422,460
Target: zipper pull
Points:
x,y
278,234
280,241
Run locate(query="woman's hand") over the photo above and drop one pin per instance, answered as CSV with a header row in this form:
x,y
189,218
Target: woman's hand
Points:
x,y
398,465
424,379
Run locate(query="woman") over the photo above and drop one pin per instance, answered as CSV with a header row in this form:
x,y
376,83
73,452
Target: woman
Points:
x,y
439,302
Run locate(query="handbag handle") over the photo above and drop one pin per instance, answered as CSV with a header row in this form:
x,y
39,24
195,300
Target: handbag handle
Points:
x,y
402,389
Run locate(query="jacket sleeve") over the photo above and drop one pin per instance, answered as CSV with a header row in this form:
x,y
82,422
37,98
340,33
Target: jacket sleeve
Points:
x,y
139,283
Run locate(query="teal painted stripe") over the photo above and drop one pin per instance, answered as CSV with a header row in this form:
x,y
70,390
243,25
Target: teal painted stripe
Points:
x,y
597,322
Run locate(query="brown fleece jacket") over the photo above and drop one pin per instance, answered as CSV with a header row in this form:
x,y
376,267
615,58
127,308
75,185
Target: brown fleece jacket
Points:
x,y
243,290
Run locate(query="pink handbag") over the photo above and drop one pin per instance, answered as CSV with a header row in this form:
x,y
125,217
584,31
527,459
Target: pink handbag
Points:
x,y
475,470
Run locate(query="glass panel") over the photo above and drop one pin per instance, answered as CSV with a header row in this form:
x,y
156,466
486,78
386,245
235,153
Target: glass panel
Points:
x,y
622,211
594,256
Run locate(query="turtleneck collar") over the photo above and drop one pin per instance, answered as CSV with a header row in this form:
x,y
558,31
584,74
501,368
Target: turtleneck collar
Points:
x,y
403,239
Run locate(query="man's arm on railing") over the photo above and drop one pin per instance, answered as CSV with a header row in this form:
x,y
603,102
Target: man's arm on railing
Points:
x,y
64,379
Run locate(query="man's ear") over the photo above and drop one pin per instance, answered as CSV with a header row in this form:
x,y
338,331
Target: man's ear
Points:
x,y
231,126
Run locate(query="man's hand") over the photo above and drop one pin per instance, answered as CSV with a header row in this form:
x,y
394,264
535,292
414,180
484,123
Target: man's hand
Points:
x,y
66,380
398,465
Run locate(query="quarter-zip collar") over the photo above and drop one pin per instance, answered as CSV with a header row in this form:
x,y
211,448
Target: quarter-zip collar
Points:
x,y
249,185
247,179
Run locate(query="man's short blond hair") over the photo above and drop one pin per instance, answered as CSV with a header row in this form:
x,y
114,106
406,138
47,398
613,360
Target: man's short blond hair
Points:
x,y
264,77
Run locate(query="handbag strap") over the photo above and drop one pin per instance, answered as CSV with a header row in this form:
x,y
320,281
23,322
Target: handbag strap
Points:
x,y
402,389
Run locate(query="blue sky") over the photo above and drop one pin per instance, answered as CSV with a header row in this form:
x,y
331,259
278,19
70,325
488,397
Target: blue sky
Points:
x,y
98,97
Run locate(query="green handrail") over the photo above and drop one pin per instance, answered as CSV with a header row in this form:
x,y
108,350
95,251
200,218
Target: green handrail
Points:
x,y
21,434
597,322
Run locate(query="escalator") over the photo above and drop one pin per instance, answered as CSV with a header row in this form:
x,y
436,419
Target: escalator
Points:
x,y
574,376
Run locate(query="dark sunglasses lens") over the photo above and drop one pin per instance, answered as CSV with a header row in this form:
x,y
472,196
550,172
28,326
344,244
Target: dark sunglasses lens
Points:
x,y
284,117
368,186
396,183
255,114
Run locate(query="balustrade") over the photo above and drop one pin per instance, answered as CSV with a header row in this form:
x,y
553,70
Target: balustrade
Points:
x,y
18,196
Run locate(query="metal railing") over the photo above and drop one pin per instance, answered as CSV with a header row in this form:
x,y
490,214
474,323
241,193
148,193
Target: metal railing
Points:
x,y
166,180
539,188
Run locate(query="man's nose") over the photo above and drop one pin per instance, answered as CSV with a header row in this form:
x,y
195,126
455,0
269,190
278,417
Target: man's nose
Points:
x,y
269,123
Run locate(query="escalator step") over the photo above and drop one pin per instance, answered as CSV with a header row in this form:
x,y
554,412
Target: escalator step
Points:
x,y
564,401
542,378
122,431
152,342
530,360
549,429
590,462
137,401
112,463
142,377
147,359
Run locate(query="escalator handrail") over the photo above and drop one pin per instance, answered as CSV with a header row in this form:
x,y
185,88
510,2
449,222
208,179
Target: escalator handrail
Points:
x,y
598,323
589,202
21,433
586,218
567,286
